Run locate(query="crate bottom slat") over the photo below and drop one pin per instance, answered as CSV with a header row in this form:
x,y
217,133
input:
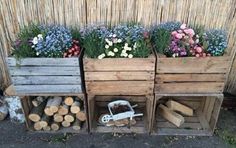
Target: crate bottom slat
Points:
x,y
132,129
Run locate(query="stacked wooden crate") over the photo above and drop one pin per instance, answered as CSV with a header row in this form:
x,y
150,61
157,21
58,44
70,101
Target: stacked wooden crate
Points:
x,y
113,79
196,83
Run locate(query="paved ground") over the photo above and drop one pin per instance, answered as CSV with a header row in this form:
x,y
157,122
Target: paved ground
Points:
x,y
13,135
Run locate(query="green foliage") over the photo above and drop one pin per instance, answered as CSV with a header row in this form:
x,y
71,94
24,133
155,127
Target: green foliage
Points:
x,y
227,136
76,35
93,44
160,39
22,47
143,49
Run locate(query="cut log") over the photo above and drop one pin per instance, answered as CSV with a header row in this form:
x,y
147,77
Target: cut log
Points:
x,y
81,116
54,106
77,124
69,101
45,120
170,115
176,106
69,118
55,126
47,128
36,112
47,109
37,101
121,122
63,109
65,124
37,126
75,107
3,111
58,118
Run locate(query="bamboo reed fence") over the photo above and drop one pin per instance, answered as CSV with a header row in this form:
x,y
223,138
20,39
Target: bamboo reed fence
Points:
x,y
210,13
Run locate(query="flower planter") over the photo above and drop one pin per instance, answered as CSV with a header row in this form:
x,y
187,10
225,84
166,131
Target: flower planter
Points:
x,y
97,106
191,75
45,75
119,76
206,109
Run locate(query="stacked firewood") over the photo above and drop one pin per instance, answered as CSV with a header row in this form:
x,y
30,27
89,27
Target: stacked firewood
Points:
x,y
53,112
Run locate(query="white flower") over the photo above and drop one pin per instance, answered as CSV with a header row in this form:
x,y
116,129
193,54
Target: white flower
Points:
x,y
115,40
35,40
107,40
40,36
37,53
126,44
110,43
125,54
135,45
106,46
123,51
114,35
130,56
110,53
115,50
110,35
101,56
119,40
126,48
129,48
197,40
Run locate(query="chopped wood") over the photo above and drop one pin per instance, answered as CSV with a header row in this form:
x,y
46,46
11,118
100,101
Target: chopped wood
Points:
x,y
54,106
55,126
69,118
75,107
3,111
47,128
81,116
65,124
37,126
37,101
63,109
69,101
36,112
47,109
170,115
58,118
45,120
77,124
176,106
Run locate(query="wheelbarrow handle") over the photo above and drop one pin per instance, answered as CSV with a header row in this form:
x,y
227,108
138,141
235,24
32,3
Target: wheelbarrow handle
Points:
x,y
135,115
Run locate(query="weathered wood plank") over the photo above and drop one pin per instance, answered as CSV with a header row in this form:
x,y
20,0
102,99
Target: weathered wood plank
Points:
x,y
160,78
113,76
120,87
132,129
45,71
183,132
193,125
28,89
12,62
120,64
195,87
193,65
42,80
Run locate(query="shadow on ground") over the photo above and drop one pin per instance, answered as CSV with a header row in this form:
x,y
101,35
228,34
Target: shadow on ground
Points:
x,y
15,135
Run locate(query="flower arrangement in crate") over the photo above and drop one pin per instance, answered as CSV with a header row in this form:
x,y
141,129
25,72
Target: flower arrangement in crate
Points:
x,y
178,40
122,41
47,41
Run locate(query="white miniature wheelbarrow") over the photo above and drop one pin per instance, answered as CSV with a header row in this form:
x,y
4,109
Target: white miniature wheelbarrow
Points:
x,y
127,114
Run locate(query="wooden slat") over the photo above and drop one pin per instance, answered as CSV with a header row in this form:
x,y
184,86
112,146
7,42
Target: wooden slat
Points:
x,y
28,89
43,62
42,80
132,129
119,64
186,118
192,125
120,87
193,65
113,76
190,78
132,99
201,87
45,71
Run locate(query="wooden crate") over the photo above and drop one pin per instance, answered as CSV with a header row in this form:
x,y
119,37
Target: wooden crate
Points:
x,y
97,105
202,123
191,75
119,76
27,106
45,75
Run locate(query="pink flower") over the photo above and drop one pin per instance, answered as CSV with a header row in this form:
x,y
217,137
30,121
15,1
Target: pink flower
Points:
x,y
199,49
190,32
173,33
183,26
191,41
197,55
178,36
